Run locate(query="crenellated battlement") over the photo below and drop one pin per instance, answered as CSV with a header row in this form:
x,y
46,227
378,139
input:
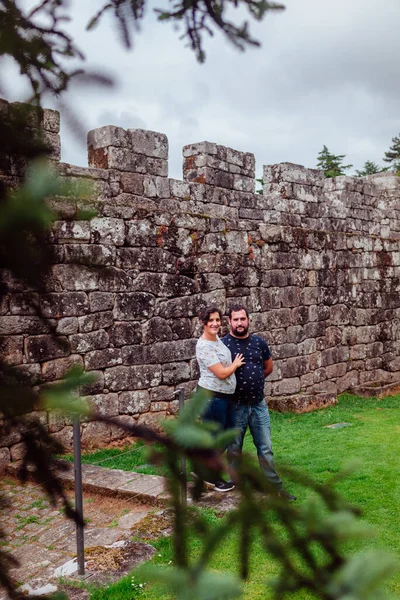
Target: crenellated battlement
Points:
x,y
315,260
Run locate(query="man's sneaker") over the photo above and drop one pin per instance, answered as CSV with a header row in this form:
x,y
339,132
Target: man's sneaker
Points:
x,y
286,496
223,486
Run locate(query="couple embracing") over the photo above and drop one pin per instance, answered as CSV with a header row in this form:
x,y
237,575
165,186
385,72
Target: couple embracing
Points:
x,y
232,372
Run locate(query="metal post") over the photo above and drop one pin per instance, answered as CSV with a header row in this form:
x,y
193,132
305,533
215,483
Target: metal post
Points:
x,y
80,549
181,397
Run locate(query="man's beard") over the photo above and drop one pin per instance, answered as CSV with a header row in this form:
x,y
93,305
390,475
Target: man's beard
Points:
x,y
242,333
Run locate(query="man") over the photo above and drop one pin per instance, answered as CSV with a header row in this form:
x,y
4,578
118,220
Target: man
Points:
x,y
250,406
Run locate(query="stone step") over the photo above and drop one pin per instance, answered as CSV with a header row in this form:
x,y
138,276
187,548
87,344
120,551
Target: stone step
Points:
x,y
111,482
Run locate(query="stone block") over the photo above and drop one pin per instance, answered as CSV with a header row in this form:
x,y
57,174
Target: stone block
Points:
x,y
95,387
134,306
295,366
136,355
98,320
51,120
41,348
163,352
76,277
106,136
125,334
13,325
100,301
58,368
67,304
95,435
291,173
5,459
134,402
286,386
303,402
149,143
103,404
89,254
143,259
174,373
112,279
67,325
86,342
162,393
156,330
165,285
65,437
106,230
132,378
71,231
24,304
11,349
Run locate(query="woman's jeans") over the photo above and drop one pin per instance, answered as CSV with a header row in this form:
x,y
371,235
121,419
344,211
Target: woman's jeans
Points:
x,y
220,410
255,417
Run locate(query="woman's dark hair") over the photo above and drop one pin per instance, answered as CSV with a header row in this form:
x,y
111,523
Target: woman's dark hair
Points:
x,y
236,308
204,315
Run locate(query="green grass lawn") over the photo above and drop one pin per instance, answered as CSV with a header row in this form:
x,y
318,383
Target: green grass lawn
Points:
x,y
304,442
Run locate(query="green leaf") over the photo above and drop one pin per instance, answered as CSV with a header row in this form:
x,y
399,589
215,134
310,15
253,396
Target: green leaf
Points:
x,y
223,439
191,436
361,575
193,407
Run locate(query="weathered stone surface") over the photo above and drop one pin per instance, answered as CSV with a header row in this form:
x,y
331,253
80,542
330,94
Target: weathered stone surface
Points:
x,y
64,305
107,231
125,334
13,325
89,254
134,306
134,402
95,434
142,259
135,377
112,279
156,330
149,143
76,277
67,325
99,359
103,404
40,348
11,349
58,368
301,403
99,320
136,355
84,342
174,373
100,301
71,231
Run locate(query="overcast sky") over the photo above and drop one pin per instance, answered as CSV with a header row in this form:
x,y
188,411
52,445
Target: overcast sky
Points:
x,y
328,72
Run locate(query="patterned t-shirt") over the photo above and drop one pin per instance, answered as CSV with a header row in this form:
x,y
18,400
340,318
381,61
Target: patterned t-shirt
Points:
x,y
209,354
250,376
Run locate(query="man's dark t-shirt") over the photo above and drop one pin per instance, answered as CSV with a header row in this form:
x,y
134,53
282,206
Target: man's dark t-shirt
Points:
x,y
250,376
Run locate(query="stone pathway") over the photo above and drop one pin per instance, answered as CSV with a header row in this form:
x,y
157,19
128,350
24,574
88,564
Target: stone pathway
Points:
x,y
41,538
115,502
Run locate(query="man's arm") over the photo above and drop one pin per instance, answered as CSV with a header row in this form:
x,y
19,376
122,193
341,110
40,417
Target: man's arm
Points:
x,y
268,367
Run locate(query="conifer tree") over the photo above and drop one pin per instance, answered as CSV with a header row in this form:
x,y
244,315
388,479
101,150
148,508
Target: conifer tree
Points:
x,y
370,168
331,164
393,154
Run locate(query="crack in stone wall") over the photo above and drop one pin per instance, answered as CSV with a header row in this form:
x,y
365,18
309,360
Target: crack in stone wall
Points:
x,y
316,261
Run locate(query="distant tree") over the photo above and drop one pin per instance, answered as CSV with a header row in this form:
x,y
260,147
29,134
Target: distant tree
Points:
x,y
393,154
260,190
370,168
331,164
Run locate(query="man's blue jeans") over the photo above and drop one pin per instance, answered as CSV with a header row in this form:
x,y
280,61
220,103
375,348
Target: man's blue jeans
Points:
x,y
255,417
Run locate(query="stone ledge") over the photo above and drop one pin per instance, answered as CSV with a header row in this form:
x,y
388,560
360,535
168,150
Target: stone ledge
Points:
x,y
302,403
377,389
112,482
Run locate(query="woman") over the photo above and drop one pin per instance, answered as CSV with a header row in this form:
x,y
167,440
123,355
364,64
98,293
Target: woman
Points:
x,y
216,376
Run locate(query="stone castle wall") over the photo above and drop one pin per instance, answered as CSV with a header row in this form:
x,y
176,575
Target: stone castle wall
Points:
x,y
317,262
